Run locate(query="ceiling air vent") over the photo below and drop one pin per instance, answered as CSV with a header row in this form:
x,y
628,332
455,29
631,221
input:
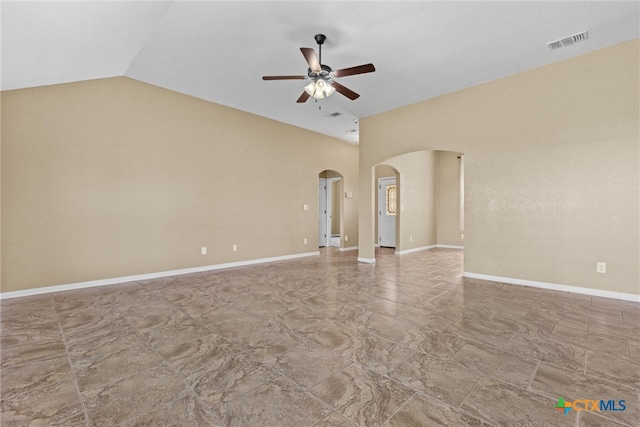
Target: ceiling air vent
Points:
x,y
336,114
568,40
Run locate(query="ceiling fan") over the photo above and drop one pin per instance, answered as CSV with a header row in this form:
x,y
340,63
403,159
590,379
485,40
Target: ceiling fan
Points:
x,y
322,76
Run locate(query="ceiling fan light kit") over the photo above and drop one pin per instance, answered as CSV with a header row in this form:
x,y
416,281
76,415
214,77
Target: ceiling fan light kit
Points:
x,y
322,76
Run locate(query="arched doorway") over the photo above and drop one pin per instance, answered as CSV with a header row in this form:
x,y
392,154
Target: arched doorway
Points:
x,y
428,206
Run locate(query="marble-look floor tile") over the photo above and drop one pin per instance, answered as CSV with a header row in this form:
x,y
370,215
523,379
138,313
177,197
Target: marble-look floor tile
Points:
x,y
186,330
386,327
377,354
39,306
439,320
433,342
334,419
623,330
19,319
30,376
206,353
613,369
421,411
111,341
133,396
556,353
589,419
108,368
48,405
592,341
87,323
81,302
307,364
446,381
227,339
235,376
270,340
555,382
608,314
364,397
479,332
496,363
20,354
187,411
328,333
36,332
275,403
631,316
167,317
493,402
634,349
574,319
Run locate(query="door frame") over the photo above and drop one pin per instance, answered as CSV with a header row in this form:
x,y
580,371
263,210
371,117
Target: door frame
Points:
x,y
381,198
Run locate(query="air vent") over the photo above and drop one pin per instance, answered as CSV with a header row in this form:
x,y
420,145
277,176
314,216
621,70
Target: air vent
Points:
x,y
568,40
336,114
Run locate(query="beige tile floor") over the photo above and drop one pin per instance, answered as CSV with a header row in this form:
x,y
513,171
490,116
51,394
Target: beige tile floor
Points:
x,y
320,341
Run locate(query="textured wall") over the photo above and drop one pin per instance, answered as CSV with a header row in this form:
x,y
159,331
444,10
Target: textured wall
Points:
x,y
110,178
551,168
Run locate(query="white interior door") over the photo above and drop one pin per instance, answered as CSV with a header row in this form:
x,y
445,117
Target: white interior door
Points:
x,y
323,239
387,197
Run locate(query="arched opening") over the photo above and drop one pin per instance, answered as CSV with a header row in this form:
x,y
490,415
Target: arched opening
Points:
x,y
428,207
330,209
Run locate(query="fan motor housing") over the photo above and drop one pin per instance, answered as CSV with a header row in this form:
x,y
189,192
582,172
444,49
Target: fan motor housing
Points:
x,y
326,72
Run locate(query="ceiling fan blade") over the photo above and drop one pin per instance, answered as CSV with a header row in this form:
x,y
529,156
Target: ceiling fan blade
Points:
x,y
345,91
360,69
284,77
312,58
303,97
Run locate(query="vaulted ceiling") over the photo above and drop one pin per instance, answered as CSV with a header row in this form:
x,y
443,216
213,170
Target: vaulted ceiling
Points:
x,y
219,51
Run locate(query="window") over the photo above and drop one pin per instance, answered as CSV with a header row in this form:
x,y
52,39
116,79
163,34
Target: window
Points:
x,y
391,199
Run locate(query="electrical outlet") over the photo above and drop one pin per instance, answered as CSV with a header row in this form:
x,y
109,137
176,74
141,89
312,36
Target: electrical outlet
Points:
x,y
203,250
462,236
601,267
411,238
235,248
305,207
346,238
305,240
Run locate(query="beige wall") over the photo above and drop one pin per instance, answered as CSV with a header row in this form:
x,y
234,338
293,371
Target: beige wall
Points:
x,y
551,169
448,198
417,184
114,177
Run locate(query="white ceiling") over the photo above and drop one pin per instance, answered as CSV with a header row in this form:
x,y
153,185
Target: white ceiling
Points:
x,y
219,51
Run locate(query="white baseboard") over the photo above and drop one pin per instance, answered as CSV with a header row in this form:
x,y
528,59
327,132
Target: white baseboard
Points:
x,y
350,248
125,279
556,287
426,248
422,248
367,260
